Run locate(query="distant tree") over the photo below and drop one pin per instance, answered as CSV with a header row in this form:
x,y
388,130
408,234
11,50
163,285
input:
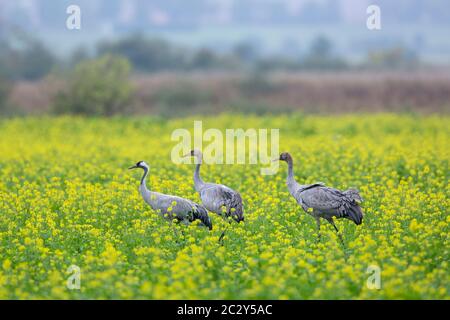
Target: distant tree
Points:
x,y
321,47
29,59
204,59
145,54
97,87
36,61
321,57
246,51
78,55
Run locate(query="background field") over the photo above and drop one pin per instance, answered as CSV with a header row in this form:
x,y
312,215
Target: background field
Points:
x,y
67,198
176,94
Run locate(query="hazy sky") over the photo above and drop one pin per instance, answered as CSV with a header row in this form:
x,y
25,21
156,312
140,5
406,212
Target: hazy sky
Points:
x,y
421,25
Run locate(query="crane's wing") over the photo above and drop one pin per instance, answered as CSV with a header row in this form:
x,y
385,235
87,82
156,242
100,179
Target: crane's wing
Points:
x,y
321,198
218,198
330,200
354,195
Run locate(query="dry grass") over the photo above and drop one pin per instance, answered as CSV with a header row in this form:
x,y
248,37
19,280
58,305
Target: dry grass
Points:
x,y
422,92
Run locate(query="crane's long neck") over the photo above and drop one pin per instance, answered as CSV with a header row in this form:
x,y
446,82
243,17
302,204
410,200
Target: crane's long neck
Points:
x,y
148,195
144,177
290,177
198,182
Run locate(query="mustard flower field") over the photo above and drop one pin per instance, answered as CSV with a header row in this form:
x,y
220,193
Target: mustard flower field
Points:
x,y
67,199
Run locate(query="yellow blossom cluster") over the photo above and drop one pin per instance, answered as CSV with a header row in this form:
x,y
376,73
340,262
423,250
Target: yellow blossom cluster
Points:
x,y
67,198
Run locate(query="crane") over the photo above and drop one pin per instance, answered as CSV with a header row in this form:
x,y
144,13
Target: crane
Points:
x,y
217,198
323,202
169,206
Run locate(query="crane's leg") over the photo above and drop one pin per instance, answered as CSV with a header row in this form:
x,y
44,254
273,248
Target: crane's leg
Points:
x,y
333,224
223,233
330,220
221,237
318,227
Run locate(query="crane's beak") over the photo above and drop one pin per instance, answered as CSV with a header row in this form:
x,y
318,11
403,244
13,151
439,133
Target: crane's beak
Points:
x,y
276,159
133,167
187,155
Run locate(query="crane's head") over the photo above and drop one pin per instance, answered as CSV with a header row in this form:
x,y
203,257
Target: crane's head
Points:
x,y
285,156
194,153
140,164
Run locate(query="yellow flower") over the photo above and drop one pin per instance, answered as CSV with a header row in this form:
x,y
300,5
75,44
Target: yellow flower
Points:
x,y
6,264
66,199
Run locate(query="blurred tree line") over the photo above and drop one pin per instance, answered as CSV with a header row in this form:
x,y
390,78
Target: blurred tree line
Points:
x,y
23,57
98,82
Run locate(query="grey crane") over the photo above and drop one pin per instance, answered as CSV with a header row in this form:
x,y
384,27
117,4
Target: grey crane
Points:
x,y
217,198
323,202
183,210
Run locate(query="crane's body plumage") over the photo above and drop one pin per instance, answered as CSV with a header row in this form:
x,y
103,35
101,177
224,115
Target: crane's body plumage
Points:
x,y
328,202
321,201
217,198
172,207
220,199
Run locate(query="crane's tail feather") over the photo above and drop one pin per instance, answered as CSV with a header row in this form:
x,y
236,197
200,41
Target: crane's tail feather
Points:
x,y
201,214
355,213
353,209
238,207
